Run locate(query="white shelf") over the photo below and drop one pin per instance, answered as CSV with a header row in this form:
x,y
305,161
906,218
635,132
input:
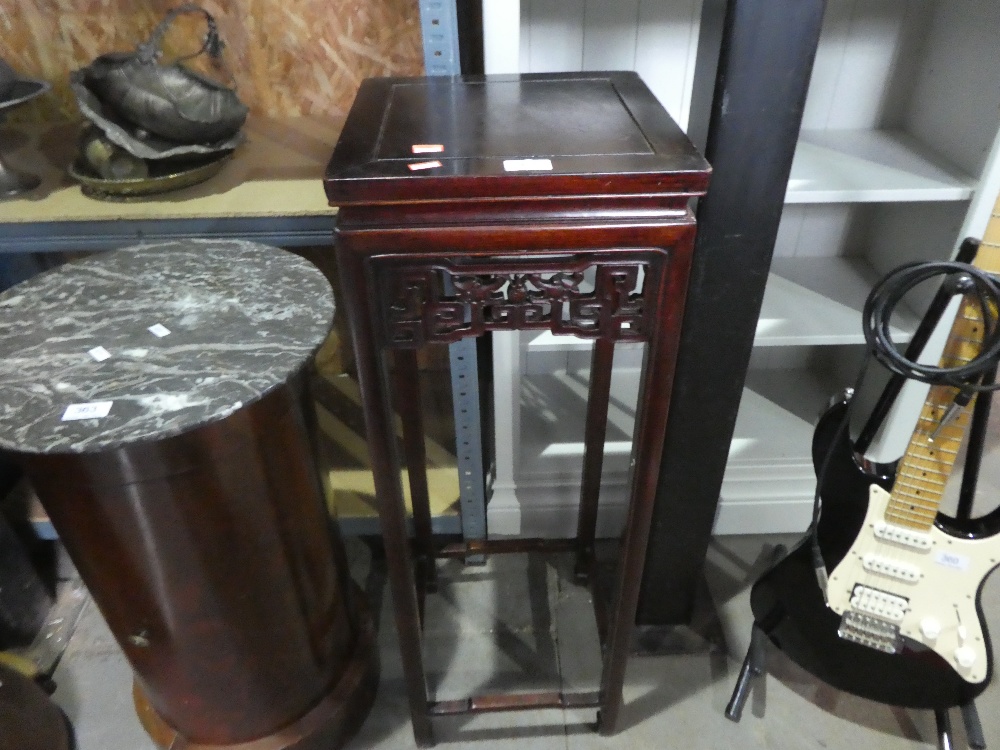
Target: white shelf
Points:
x,y
770,479
868,166
808,301
553,418
819,301
546,341
769,433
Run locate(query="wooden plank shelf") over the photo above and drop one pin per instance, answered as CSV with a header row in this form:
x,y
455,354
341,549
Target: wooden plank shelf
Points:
x,y
271,186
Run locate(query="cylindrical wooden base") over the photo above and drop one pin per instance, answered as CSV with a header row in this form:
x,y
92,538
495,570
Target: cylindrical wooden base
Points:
x,y
329,724
214,562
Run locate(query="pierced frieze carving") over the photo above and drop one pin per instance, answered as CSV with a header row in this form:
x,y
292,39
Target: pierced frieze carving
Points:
x,y
431,303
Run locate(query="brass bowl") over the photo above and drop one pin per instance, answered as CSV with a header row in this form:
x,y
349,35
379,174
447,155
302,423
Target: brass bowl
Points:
x,y
163,177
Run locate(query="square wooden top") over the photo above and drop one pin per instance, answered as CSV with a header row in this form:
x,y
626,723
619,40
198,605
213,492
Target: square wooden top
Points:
x,y
533,135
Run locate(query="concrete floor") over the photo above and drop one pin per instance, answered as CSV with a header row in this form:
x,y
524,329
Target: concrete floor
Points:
x,y
520,623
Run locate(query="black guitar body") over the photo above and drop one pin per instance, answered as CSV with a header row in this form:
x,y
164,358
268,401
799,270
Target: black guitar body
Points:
x,y
789,607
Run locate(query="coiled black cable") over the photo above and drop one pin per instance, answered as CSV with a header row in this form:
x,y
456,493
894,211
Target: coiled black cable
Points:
x,y
886,295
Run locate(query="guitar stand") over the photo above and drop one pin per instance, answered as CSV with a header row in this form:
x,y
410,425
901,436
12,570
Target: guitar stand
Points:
x,y
973,728
753,667
754,664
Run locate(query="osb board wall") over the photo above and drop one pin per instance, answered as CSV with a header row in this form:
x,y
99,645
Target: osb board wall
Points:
x,y
287,57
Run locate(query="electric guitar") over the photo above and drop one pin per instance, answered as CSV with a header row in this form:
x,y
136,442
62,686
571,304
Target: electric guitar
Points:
x,y
901,623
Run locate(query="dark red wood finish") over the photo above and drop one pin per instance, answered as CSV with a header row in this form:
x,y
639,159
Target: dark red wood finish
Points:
x,y
595,432
610,135
215,564
408,388
454,251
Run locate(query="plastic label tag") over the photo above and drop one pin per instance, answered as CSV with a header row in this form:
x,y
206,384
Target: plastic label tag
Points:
x,y
93,410
527,165
952,560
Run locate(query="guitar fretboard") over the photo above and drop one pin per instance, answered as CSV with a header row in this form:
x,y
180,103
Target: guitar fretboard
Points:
x,y
925,467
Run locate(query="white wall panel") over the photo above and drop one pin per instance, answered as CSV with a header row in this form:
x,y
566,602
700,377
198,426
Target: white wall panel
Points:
x,y
656,38
960,75
868,67
554,30
501,36
826,67
814,230
857,64
609,34
665,48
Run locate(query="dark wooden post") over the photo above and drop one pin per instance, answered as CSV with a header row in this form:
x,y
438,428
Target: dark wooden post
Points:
x,y
765,63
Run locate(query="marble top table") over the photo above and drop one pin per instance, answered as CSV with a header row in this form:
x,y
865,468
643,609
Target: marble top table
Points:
x,y
154,398
153,340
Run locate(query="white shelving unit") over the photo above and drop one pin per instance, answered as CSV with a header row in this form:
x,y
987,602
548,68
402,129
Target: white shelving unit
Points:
x,y
892,165
898,160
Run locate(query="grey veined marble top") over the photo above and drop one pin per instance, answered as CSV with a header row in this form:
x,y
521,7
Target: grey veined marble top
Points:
x,y
242,317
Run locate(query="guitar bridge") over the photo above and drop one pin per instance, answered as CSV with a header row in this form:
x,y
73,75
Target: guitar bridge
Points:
x,y
870,631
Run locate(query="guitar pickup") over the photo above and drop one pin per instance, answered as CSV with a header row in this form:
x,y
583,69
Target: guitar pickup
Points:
x,y
882,604
870,631
891,533
886,566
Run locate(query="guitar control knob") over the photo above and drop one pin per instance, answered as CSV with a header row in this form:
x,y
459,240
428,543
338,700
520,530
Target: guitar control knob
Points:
x,y
965,656
930,628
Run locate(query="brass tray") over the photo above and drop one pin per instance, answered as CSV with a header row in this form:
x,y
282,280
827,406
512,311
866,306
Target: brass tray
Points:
x,y
163,177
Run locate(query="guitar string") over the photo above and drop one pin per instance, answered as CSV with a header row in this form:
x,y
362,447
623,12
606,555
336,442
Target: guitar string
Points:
x,y
919,459
918,464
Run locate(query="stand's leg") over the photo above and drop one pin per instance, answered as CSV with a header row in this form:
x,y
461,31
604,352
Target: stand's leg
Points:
x,y
974,449
593,458
410,414
753,666
973,727
647,450
373,377
943,721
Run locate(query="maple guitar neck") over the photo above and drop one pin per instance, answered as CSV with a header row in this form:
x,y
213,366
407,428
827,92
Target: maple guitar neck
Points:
x,y
924,469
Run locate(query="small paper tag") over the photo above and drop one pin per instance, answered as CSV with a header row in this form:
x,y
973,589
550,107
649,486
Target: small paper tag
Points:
x,y
99,353
527,165
93,410
952,560
416,166
159,330
427,148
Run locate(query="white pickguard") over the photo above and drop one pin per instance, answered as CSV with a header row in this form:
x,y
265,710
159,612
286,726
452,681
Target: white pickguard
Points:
x,y
941,598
